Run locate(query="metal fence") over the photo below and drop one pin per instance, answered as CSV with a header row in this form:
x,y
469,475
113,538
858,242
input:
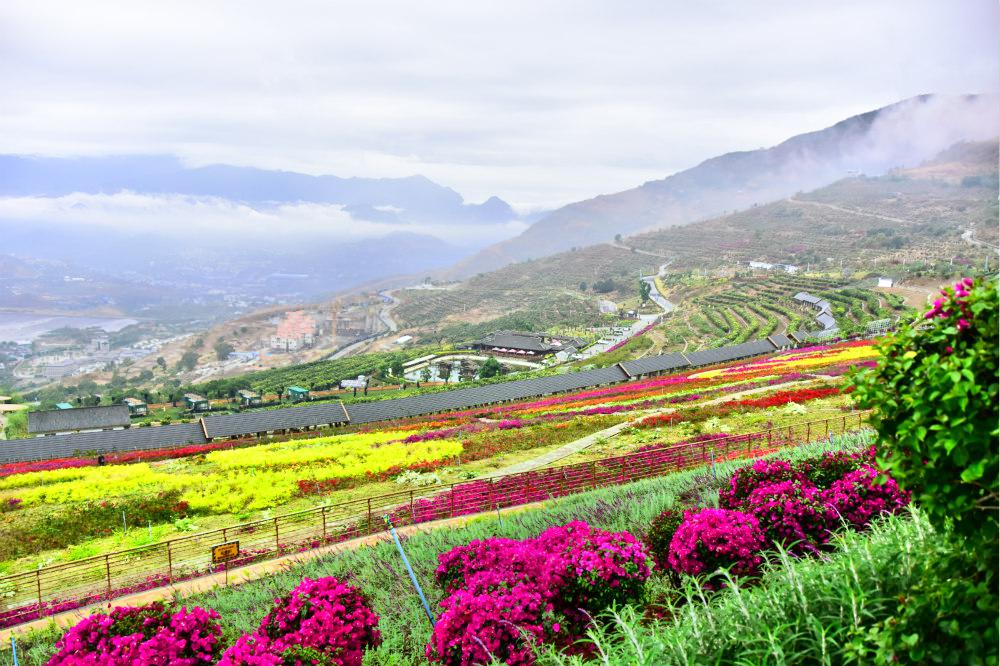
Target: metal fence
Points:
x,y
60,587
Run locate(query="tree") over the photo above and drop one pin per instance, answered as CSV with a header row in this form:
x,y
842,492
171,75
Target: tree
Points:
x,y
425,374
618,238
491,368
396,367
222,349
444,372
644,290
162,362
188,361
583,286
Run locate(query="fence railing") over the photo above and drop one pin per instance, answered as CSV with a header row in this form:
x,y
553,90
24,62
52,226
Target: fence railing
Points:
x,y
60,587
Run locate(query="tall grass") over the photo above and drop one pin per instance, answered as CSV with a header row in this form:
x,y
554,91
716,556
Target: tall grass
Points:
x,y
379,573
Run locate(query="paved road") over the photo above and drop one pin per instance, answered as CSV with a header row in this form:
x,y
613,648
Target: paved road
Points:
x,y
969,238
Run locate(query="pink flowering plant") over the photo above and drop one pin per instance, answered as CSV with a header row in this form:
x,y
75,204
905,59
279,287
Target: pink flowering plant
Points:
x,y
747,479
505,596
712,539
321,621
792,515
864,494
142,636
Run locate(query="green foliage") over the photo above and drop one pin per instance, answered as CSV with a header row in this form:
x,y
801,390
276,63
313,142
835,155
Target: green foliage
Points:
x,y
222,349
491,368
644,290
935,394
17,425
188,360
605,286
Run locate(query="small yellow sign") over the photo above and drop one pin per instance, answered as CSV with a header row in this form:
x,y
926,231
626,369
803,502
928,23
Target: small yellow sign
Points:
x,y
225,552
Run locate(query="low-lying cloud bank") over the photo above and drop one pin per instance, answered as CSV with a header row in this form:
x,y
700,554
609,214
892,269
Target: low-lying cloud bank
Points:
x,y
184,216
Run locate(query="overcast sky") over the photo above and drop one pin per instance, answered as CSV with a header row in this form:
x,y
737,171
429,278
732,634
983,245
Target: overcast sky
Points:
x,y
540,103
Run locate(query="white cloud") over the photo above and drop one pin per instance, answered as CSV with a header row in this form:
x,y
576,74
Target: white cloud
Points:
x,y
539,103
216,218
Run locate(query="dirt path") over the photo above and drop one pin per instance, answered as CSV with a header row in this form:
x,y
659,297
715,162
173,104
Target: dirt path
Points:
x,y
841,209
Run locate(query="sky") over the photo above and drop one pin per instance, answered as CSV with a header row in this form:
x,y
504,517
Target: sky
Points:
x,y
540,103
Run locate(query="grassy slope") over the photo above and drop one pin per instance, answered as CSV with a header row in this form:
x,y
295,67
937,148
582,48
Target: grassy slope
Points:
x,y
379,573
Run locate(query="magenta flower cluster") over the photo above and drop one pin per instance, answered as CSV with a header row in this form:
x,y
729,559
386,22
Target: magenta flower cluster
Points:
x,y
747,479
792,515
864,494
710,539
142,636
776,503
320,621
953,303
505,596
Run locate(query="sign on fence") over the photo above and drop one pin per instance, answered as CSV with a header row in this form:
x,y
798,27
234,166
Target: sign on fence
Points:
x,y
225,552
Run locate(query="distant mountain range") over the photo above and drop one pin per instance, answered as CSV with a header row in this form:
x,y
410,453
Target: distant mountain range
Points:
x,y
902,134
226,227
412,199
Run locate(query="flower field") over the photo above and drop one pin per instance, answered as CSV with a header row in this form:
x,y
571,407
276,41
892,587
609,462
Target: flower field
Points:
x,y
208,485
536,581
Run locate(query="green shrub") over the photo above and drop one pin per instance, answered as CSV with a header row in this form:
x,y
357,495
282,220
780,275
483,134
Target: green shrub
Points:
x,y
935,395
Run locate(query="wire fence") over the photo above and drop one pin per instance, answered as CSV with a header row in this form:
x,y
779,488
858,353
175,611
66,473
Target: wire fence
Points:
x,y
60,587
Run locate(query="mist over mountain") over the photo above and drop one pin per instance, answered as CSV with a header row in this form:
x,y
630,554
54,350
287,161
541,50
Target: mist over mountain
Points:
x,y
901,134
153,218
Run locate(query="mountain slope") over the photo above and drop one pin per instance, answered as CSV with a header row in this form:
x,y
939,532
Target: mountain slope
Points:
x,y
909,218
902,134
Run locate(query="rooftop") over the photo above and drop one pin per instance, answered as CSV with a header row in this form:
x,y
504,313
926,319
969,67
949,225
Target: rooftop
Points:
x,y
81,418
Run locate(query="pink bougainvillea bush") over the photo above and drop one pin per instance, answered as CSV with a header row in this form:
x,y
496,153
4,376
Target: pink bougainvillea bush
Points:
x,y
792,515
833,465
746,479
321,621
863,494
491,621
505,596
712,539
142,636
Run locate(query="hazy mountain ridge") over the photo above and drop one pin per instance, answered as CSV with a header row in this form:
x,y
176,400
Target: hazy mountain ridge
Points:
x,y
417,198
902,134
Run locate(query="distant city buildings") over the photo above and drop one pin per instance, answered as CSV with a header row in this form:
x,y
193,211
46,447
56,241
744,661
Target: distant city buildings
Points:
x,y
296,331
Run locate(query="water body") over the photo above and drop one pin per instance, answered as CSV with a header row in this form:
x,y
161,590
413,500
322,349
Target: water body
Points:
x,y
24,327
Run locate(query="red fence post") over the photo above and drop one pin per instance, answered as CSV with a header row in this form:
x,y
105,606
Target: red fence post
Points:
x,y
38,584
323,515
807,432
277,541
593,474
170,565
369,515
107,568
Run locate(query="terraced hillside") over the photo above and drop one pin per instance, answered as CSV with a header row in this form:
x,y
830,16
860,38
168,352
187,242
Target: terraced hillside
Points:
x,y
560,290
913,222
